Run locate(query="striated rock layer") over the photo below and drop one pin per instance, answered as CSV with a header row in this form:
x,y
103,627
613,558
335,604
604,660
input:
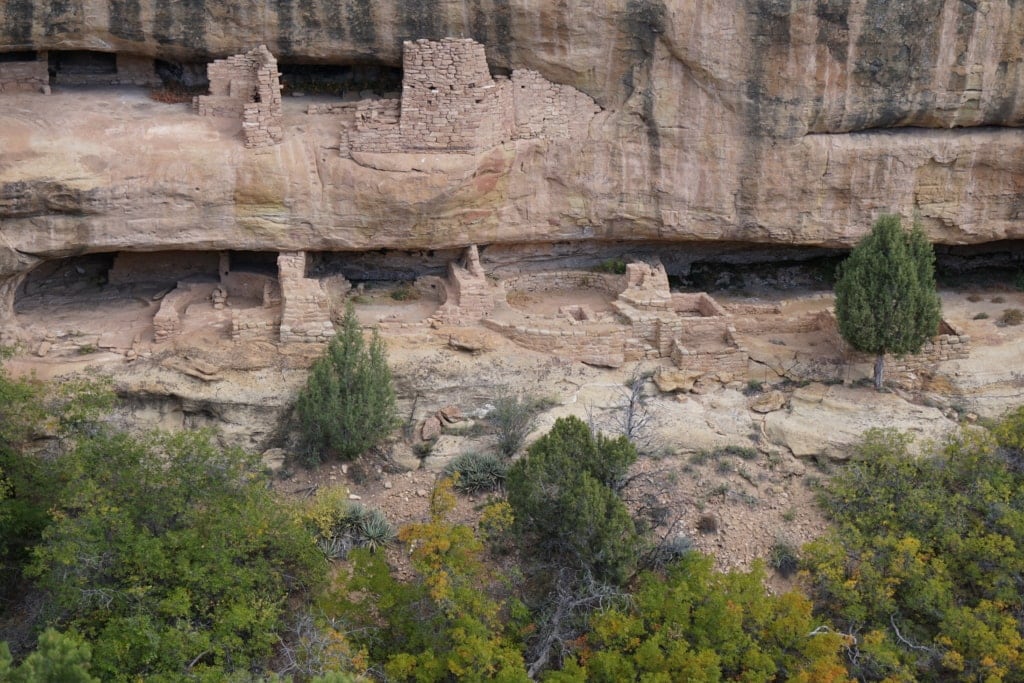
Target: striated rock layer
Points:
x,y
769,121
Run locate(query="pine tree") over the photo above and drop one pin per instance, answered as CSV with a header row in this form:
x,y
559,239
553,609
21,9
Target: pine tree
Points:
x,y
885,293
348,403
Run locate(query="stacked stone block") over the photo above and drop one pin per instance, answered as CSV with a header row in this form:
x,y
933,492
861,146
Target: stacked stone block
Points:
x,y
549,110
24,77
249,324
247,86
305,306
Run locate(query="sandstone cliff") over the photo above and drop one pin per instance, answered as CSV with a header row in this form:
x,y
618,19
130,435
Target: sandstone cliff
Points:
x,y
770,121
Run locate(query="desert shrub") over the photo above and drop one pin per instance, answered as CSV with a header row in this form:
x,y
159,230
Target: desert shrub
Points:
x,y
348,403
998,300
477,472
614,266
513,417
784,557
707,523
981,316
1012,316
340,525
744,452
405,292
974,298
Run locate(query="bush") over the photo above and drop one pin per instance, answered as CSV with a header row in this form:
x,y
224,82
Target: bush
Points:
x,y
477,472
341,525
513,418
348,403
998,300
981,316
784,558
974,298
1012,316
405,292
614,266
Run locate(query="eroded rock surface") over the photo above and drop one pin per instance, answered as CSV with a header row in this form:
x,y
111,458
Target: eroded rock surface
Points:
x,y
743,120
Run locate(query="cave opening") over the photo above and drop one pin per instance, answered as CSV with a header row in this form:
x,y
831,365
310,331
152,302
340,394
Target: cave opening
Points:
x,y
347,81
188,76
77,66
19,56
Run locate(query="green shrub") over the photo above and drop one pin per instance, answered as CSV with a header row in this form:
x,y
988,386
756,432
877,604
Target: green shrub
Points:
x,y
348,403
615,266
974,298
998,300
405,292
981,316
477,472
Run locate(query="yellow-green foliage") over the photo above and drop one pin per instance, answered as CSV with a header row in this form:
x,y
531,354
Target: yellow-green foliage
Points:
x,y
695,624
927,559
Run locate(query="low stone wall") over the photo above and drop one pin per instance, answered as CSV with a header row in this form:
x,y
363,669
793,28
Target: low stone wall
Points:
x,y
950,344
697,303
731,359
248,324
595,343
777,324
332,108
24,77
566,279
256,286
167,319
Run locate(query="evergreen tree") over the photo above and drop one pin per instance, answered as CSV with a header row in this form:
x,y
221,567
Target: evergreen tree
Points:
x,y
564,496
348,403
885,293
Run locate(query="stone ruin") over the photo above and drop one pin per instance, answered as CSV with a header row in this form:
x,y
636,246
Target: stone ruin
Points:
x,y
451,103
28,75
247,86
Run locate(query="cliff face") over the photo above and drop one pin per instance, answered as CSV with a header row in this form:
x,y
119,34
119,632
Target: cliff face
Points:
x,y
773,121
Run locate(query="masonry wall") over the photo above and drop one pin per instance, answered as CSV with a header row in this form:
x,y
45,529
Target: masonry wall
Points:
x,y
549,110
246,86
305,307
24,77
566,279
594,343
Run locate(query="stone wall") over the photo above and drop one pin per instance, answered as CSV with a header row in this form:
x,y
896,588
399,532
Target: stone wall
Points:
x,y
729,359
468,296
167,319
305,306
451,103
24,77
565,279
246,86
549,110
249,324
594,343
949,344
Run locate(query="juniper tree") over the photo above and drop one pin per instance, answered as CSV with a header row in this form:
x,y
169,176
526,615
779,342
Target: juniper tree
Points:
x,y
348,403
885,293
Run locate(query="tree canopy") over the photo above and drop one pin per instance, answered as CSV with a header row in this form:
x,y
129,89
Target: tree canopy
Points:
x,y
348,403
885,293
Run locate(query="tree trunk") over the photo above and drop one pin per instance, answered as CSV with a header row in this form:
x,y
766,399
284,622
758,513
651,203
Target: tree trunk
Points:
x,y
879,368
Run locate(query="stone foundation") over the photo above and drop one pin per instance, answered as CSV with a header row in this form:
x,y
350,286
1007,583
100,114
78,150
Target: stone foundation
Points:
x,y
24,77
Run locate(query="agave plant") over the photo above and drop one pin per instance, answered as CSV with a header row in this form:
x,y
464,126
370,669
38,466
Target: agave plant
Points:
x,y
375,531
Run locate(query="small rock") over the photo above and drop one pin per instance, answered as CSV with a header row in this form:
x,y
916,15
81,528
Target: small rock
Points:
x,y
674,379
344,469
768,402
422,493
43,348
450,414
388,485
431,428
273,459
353,496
